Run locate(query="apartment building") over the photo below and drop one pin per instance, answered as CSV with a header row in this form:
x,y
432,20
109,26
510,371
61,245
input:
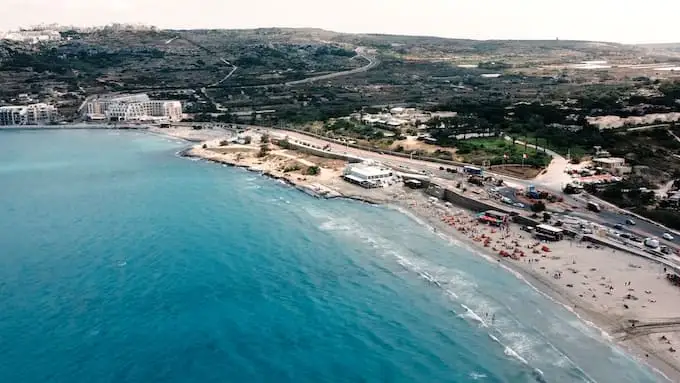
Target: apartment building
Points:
x,y
34,114
132,107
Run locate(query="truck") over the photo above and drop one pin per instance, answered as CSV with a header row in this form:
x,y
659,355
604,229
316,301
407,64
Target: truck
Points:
x,y
592,206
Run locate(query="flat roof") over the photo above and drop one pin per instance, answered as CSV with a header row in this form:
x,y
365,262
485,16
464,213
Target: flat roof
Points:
x,y
368,171
609,160
549,228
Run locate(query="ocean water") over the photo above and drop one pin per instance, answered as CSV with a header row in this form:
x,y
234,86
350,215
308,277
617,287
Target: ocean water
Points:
x,y
121,262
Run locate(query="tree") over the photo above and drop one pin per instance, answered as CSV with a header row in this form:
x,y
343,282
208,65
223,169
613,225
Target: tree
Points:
x,y
538,207
264,139
264,150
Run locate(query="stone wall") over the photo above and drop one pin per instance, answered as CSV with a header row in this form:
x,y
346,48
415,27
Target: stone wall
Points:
x,y
320,152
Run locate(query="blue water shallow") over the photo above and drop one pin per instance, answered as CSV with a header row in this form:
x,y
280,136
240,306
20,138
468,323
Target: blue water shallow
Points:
x,y
121,262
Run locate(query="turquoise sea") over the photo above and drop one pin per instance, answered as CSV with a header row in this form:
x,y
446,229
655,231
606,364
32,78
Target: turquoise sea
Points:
x,y
122,262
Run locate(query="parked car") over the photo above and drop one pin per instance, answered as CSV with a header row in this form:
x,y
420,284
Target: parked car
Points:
x,y
630,222
667,237
625,235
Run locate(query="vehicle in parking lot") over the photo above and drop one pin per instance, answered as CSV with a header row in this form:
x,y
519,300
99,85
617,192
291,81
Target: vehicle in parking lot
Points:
x,y
667,237
592,206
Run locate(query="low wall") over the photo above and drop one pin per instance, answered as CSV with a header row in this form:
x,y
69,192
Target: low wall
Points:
x,y
321,153
375,150
471,202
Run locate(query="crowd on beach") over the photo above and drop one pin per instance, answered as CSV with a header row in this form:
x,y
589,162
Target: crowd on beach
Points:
x,y
612,288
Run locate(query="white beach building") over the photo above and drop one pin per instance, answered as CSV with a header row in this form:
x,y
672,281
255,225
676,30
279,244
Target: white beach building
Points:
x,y
368,175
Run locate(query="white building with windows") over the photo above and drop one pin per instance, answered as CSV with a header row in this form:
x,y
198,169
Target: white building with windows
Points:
x,y
34,114
132,107
368,175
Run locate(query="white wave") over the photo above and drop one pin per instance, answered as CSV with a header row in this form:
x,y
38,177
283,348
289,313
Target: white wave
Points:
x,y
460,287
477,376
510,352
469,313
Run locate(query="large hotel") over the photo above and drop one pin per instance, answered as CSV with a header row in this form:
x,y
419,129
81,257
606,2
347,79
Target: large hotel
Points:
x,y
34,114
132,107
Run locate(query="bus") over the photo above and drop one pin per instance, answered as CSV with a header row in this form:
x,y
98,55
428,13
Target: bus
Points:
x,y
549,232
471,170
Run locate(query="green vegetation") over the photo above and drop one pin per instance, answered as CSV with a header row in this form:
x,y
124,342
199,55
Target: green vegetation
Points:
x,y
354,129
291,168
313,170
494,150
264,150
538,207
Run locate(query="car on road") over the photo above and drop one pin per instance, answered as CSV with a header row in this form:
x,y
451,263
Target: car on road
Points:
x,y
630,222
667,237
625,235
518,204
618,226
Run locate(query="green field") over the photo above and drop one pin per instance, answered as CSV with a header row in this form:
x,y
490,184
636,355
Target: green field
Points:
x,y
480,150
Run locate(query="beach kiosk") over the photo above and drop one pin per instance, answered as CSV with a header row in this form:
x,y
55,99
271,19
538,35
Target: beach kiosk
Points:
x,y
493,217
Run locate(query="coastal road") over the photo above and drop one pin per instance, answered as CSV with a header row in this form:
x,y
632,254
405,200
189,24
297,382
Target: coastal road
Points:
x,y
552,181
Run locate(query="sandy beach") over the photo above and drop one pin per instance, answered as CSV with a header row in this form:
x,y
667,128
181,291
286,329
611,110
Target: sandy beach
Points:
x,y
606,288
626,296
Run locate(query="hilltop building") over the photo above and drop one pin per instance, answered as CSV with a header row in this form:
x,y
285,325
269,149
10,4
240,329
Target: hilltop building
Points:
x,y
132,107
33,114
31,36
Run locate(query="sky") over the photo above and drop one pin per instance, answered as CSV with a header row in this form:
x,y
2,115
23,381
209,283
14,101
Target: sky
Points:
x,y
625,21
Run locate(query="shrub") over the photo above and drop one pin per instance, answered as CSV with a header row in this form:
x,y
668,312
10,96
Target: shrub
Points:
x,y
313,170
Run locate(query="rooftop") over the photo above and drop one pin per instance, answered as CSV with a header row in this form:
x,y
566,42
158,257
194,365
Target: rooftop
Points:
x,y
368,170
610,160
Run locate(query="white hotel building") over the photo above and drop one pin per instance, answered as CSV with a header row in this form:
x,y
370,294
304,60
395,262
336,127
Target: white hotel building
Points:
x,y
132,107
34,114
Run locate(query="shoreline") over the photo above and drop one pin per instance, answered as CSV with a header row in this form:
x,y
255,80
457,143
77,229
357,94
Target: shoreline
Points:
x,y
586,313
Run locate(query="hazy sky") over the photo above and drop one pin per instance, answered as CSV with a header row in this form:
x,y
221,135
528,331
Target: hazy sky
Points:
x,y
625,21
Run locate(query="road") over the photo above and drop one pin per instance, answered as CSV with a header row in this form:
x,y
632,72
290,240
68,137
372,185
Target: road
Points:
x,y
555,177
233,69
609,216
372,63
222,59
